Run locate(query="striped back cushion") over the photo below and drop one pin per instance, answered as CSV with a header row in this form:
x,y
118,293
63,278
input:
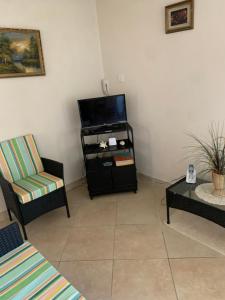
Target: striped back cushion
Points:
x,y
19,158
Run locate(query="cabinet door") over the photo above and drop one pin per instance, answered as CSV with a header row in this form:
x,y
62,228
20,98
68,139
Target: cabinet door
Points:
x,y
100,180
124,177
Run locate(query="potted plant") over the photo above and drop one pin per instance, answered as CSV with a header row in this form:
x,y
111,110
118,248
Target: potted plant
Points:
x,y
211,154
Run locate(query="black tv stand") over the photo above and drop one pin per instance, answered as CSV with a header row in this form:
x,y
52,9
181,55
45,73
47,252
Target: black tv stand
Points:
x,y
103,176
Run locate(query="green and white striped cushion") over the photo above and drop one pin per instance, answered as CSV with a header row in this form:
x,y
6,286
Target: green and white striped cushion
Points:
x,y
26,274
19,158
36,186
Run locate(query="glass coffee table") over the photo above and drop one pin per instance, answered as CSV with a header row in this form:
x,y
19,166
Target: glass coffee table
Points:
x,y
181,195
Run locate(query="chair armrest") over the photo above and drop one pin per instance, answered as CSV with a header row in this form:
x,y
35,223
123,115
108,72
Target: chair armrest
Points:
x,y
7,189
53,167
10,238
11,199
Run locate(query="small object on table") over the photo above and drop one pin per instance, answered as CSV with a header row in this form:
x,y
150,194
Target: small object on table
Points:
x,y
191,174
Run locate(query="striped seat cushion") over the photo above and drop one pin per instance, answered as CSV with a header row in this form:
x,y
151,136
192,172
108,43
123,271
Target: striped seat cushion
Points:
x,y
19,158
26,274
35,186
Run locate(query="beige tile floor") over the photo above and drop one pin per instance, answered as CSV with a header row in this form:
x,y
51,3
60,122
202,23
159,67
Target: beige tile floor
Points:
x,y
117,247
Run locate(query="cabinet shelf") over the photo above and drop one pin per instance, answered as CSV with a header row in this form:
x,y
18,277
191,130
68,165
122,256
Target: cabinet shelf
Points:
x,y
94,148
95,164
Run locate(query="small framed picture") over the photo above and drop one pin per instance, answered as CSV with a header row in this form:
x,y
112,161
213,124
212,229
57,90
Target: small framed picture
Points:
x,y
180,16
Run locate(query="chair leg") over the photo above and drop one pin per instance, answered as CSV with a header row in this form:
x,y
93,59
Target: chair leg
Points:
x,y
67,210
66,203
24,232
9,213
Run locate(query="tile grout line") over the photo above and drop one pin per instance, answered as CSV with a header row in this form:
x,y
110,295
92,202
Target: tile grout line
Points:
x,y
171,272
64,248
117,259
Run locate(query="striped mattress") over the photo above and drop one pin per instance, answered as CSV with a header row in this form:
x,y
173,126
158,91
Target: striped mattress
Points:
x,y
26,274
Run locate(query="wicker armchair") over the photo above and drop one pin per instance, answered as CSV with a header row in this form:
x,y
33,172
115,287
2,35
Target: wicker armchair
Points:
x,y
31,185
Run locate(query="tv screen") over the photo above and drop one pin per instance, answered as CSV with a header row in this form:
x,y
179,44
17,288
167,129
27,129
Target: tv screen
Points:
x,y
102,111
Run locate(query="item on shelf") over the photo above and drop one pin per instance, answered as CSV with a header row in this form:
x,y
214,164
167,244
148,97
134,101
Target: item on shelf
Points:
x,y
107,164
122,143
112,141
191,174
123,159
103,145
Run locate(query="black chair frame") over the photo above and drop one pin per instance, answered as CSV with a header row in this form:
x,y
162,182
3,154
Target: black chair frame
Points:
x,y
10,238
27,212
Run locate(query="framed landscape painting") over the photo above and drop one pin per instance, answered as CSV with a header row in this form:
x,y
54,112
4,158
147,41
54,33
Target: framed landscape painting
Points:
x,y
20,53
180,16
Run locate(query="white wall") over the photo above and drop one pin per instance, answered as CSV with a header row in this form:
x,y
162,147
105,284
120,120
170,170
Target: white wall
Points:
x,y
45,106
175,83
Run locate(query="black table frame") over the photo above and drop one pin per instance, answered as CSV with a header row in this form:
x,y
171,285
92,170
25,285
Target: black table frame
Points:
x,y
202,209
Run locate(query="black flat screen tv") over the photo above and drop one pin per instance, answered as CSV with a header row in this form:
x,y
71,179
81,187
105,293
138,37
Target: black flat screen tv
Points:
x,y
101,111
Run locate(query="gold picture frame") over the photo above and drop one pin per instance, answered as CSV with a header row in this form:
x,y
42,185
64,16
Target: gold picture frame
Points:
x,y
179,16
20,53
